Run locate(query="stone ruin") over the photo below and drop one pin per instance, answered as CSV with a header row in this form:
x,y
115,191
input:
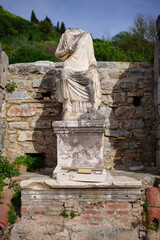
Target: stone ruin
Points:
x,y
103,210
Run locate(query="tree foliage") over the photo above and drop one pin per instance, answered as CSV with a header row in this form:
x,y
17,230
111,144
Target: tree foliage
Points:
x,y
62,28
27,41
144,27
34,18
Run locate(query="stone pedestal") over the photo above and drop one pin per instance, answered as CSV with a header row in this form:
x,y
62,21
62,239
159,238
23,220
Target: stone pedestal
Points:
x,y
80,150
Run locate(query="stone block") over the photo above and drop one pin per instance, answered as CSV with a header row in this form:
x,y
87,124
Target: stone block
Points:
x,y
29,136
21,84
102,64
39,67
1,100
112,124
111,65
135,73
126,85
18,95
36,83
132,124
109,145
129,145
3,69
158,158
106,86
24,110
18,125
13,137
116,133
119,97
79,146
107,99
125,112
105,111
41,123
59,64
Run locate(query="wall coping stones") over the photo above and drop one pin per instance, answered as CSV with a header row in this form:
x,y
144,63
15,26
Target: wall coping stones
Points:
x,y
45,182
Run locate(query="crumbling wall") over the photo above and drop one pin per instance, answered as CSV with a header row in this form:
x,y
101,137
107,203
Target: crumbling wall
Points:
x,y
3,80
157,90
127,103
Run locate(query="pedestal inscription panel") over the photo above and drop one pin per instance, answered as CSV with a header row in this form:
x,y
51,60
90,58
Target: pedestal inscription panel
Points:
x,y
80,150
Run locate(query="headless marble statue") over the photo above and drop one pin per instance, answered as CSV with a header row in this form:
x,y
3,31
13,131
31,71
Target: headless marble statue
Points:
x,y
79,88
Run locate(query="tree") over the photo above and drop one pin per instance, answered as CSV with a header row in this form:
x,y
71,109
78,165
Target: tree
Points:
x,y
34,18
62,28
144,27
48,20
57,27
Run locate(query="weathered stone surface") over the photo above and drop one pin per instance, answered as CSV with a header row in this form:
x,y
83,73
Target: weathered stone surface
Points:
x,y
79,146
36,83
116,133
28,136
39,67
124,122
22,110
126,85
3,69
130,145
41,123
125,112
22,83
112,124
105,111
132,124
102,64
119,97
18,125
18,95
158,158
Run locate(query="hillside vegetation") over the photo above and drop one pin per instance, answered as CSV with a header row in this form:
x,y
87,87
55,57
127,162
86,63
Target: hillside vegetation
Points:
x,y
29,41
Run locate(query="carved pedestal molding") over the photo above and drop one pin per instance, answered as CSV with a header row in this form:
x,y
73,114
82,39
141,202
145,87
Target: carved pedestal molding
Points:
x,y
80,150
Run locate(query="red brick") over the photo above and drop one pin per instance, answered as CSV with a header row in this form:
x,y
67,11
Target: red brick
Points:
x,y
39,213
118,205
122,212
93,218
100,206
95,224
109,212
91,212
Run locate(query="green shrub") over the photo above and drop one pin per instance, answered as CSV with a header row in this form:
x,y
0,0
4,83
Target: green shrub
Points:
x,y
16,200
12,216
105,51
7,169
29,53
32,163
11,87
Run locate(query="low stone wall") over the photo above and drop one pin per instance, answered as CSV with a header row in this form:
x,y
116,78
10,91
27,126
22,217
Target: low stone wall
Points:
x,y
3,80
127,103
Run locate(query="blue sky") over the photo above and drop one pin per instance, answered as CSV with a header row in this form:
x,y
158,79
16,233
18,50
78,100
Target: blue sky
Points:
x,y
98,17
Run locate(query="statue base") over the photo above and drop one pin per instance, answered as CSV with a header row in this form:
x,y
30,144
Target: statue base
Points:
x,y
80,150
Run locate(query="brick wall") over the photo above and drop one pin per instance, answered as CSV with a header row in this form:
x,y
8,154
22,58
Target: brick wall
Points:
x,y
127,103
99,213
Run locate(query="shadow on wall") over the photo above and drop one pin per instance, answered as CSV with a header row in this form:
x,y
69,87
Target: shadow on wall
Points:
x,y
44,139
128,104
